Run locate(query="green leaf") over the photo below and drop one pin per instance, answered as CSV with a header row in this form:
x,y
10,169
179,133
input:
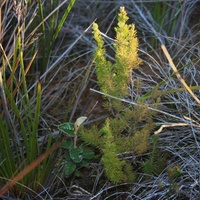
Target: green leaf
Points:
x,y
84,163
68,144
69,168
76,154
88,154
80,120
67,128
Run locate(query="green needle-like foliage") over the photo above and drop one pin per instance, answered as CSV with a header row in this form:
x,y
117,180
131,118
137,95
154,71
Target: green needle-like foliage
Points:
x,y
129,128
113,78
110,75
116,170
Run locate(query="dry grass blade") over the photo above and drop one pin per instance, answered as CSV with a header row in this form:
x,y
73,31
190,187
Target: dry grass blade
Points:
x,y
133,103
178,74
174,125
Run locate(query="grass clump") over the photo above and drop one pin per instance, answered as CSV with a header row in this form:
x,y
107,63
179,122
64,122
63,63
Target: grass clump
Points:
x,y
19,128
23,141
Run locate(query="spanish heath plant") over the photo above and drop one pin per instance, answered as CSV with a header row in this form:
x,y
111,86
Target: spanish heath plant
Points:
x,y
127,128
110,75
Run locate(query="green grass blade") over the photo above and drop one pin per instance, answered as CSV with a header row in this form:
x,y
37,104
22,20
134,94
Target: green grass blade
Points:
x,y
63,19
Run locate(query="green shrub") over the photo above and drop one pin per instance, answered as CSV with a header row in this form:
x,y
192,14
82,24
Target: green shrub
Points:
x,y
128,128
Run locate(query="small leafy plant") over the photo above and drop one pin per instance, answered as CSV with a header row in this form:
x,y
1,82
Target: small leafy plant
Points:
x,y
76,156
